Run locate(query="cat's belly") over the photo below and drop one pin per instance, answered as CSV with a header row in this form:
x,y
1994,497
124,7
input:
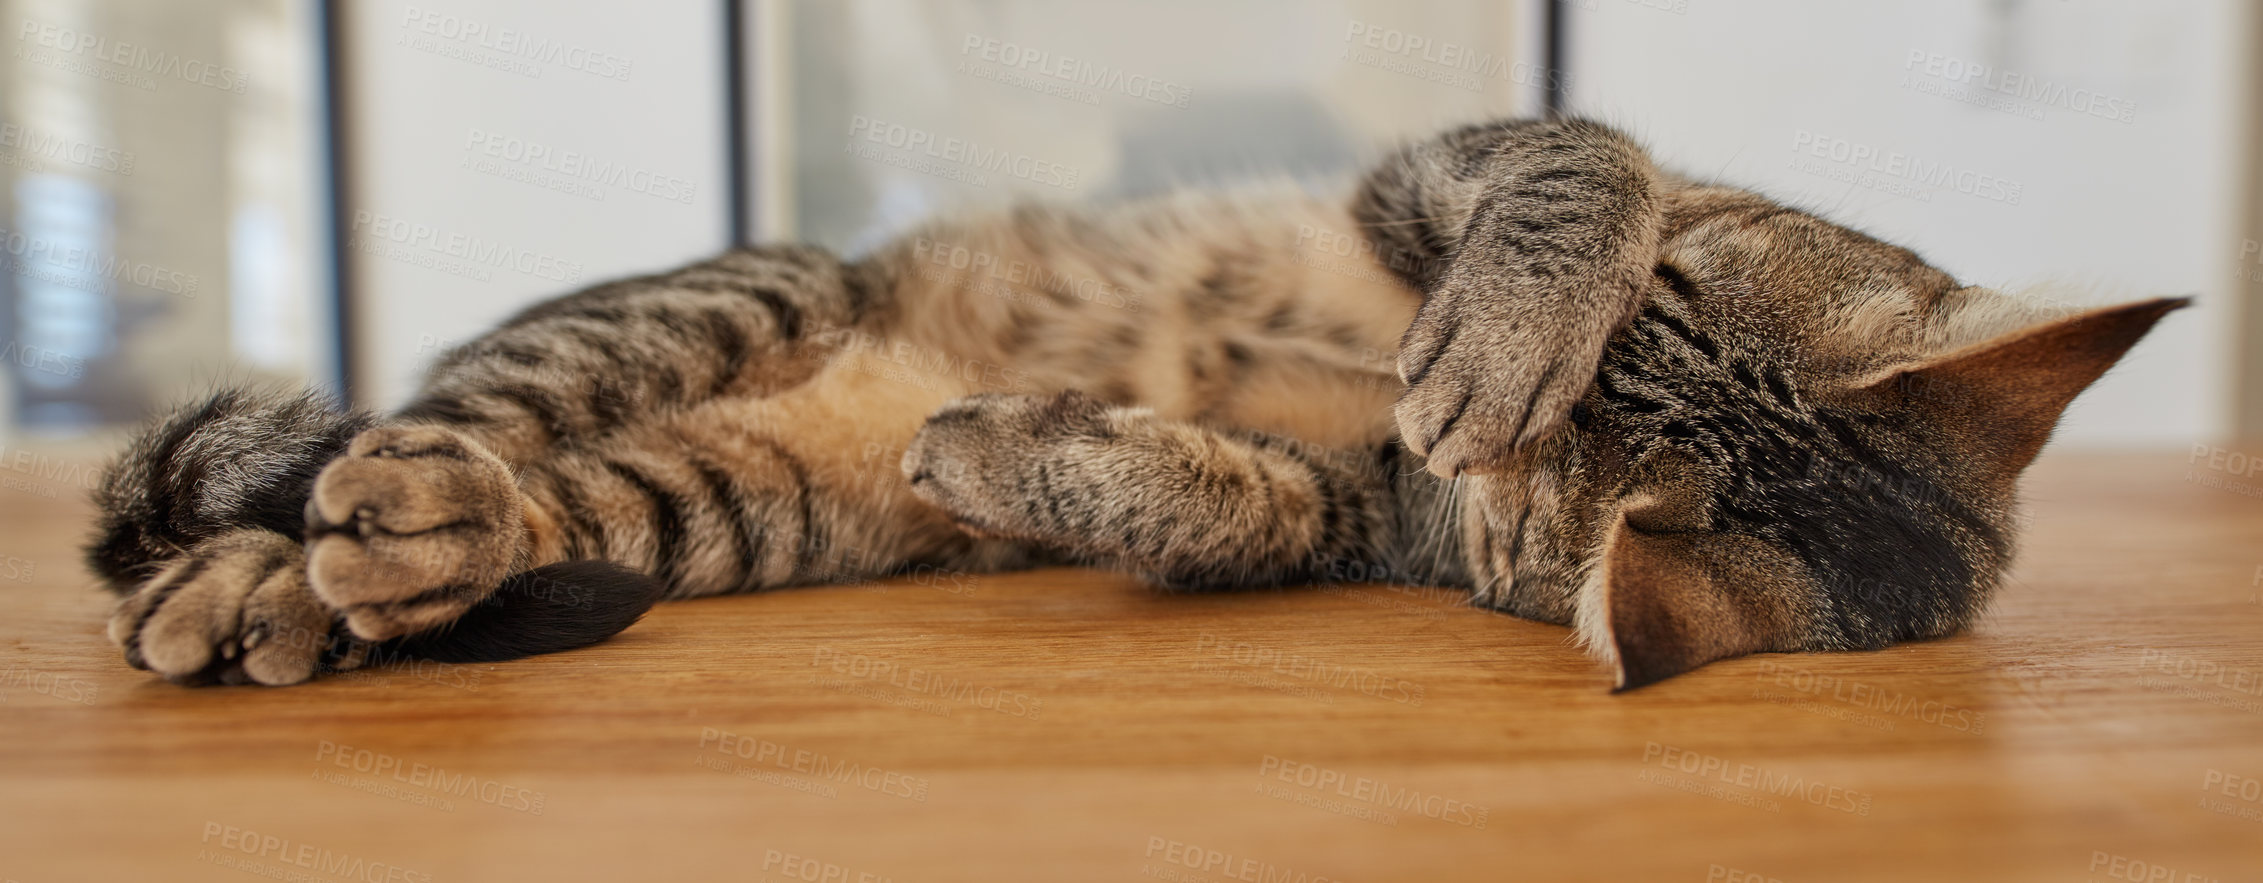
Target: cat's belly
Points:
x,y
1267,314
848,427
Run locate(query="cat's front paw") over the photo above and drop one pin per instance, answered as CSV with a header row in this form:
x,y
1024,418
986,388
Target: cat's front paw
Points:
x,y
1486,384
986,460
236,609
413,526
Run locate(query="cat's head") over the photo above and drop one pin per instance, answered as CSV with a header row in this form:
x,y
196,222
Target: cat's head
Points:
x,y
1761,466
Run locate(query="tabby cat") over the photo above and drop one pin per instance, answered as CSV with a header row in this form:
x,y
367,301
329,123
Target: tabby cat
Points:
x,y
1519,359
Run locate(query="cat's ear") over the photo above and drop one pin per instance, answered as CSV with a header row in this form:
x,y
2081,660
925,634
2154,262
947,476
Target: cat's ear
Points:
x,y
1997,401
1662,603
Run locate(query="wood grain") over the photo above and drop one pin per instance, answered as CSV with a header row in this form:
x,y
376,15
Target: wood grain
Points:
x,y
1067,725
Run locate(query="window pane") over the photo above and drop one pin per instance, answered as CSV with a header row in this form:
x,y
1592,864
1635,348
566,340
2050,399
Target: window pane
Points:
x,y
163,206
897,110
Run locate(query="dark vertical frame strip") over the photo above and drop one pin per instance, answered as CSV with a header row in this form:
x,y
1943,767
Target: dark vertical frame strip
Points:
x,y
336,140
2246,302
1552,14
735,140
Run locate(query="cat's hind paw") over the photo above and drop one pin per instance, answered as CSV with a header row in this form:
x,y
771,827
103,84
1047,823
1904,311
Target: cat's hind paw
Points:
x,y
413,526
236,610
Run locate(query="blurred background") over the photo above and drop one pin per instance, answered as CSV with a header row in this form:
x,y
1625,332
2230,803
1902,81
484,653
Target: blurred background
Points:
x,y
331,194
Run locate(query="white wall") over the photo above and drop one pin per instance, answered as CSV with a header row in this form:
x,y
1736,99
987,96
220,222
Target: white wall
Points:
x,y
462,237
2114,208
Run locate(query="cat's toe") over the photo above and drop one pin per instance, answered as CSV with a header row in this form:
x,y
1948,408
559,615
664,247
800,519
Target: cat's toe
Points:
x,y
288,631
236,609
1474,404
410,529
1478,421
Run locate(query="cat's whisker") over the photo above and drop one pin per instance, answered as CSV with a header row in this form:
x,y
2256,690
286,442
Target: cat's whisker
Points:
x,y
1440,524
1404,222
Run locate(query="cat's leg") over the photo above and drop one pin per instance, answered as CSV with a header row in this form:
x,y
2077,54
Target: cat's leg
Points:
x,y
421,519
751,322
1531,243
424,517
1187,506
741,495
415,526
562,371
224,591
198,530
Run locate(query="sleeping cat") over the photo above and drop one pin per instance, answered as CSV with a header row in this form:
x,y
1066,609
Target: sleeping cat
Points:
x,y
1688,421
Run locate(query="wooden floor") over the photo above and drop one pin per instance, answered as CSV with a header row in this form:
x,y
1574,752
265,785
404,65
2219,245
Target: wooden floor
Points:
x,y
2106,722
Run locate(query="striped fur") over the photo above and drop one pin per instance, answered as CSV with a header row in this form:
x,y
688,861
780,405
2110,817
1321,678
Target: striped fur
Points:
x,y
1518,359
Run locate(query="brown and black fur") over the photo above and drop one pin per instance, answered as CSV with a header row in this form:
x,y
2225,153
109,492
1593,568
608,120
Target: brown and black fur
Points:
x,y
1689,421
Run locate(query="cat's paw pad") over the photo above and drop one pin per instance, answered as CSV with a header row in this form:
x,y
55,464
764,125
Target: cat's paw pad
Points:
x,y
982,459
408,530
235,610
1482,390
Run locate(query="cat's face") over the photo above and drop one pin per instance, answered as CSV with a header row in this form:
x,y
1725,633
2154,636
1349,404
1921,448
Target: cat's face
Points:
x,y
1733,484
